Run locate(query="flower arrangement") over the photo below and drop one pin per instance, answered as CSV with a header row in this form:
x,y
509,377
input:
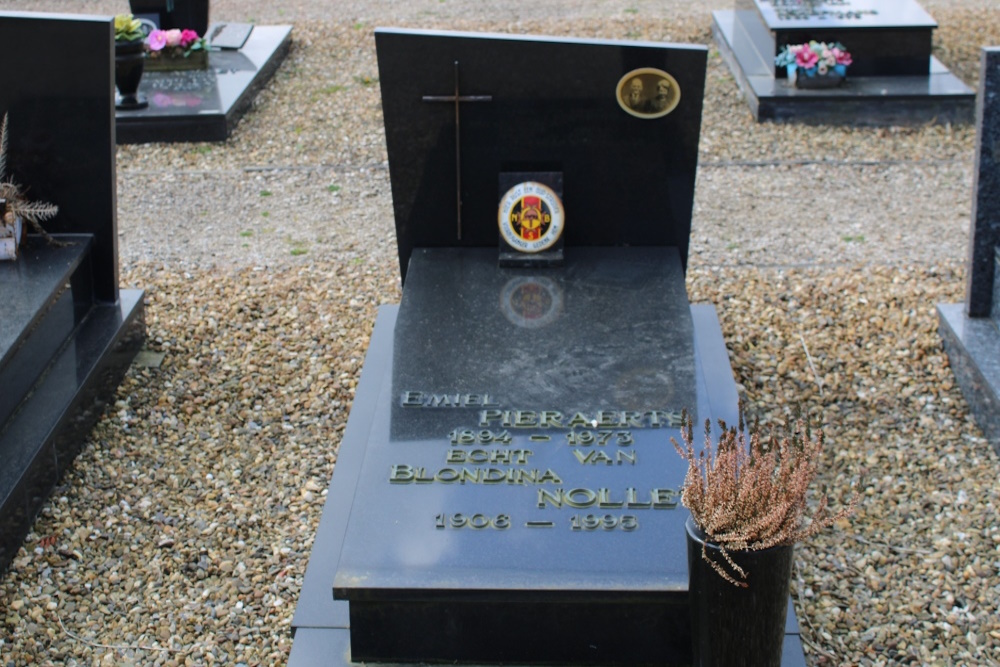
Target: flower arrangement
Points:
x,y
127,28
749,492
815,58
174,43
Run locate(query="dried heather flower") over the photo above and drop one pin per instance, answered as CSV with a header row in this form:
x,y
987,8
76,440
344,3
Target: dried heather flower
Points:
x,y
749,492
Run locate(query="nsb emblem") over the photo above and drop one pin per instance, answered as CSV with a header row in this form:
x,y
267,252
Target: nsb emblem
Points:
x,y
530,217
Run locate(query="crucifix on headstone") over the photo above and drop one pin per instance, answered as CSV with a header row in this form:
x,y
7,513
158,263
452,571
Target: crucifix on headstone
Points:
x,y
458,99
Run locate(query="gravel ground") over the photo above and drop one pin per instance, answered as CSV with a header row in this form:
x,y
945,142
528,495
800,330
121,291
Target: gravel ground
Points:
x,y
183,532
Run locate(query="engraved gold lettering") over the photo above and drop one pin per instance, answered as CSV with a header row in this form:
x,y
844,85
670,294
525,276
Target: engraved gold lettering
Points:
x,y
401,474
578,419
626,456
632,500
455,456
525,418
550,419
664,498
487,417
546,497
447,475
413,399
632,418
607,419
580,497
549,477
604,499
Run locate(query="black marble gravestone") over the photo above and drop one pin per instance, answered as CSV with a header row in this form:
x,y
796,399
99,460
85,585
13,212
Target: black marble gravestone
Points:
x,y
205,104
505,490
970,330
67,332
893,77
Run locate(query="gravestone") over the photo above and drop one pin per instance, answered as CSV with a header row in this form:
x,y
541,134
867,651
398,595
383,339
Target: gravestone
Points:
x,y
506,490
67,332
166,14
970,330
893,79
206,104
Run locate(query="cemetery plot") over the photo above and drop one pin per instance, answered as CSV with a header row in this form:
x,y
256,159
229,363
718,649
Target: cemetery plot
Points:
x,y
67,332
506,490
205,104
893,78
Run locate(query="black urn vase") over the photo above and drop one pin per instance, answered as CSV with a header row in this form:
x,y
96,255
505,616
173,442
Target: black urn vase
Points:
x,y
129,60
733,625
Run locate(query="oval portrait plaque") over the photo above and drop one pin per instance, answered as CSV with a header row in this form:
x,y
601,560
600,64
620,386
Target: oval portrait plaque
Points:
x,y
648,92
530,217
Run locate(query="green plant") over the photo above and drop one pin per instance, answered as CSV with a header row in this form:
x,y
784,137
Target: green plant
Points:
x,y
127,28
748,491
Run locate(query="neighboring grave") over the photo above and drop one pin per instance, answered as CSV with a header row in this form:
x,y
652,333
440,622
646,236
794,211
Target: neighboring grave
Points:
x,y
894,79
206,104
970,331
67,332
506,490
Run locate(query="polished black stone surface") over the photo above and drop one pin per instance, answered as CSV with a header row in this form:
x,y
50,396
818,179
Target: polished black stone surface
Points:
x,y
553,107
205,105
46,293
62,126
885,37
609,333
322,624
67,332
985,235
934,95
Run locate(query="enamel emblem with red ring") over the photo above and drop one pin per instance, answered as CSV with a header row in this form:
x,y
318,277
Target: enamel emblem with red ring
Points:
x,y
530,217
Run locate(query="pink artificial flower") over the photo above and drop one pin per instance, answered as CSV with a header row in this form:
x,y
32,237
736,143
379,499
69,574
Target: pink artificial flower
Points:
x,y
173,37
157,40
843,57
187,37
806,58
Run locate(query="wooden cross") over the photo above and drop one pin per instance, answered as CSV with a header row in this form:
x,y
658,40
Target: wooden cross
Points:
x,y
458,99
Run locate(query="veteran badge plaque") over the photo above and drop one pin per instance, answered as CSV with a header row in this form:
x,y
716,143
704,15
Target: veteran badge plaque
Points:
x,y
531,220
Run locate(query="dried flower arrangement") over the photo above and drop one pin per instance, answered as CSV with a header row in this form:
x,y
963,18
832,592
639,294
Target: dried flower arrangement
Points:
x,y
17,204
748,492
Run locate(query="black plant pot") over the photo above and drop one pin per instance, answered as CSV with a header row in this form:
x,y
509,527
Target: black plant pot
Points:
x,y
129,60
730,625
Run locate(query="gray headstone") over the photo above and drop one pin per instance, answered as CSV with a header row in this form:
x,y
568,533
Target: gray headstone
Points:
x,y
986,188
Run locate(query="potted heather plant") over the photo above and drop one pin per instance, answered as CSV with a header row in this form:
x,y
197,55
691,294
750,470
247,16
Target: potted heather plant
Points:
x,y
815,64
129,56
747,495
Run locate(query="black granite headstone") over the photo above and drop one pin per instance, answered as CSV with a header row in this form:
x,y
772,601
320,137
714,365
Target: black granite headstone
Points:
x,y
553,106
67,332
506,491
970,332
893,78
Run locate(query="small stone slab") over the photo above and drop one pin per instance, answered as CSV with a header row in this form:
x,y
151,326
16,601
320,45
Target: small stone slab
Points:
x,y
205,104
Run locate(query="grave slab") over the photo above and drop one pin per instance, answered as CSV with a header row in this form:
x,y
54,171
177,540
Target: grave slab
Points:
x,y
67,331
506,491
205,105
894,79
970,331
